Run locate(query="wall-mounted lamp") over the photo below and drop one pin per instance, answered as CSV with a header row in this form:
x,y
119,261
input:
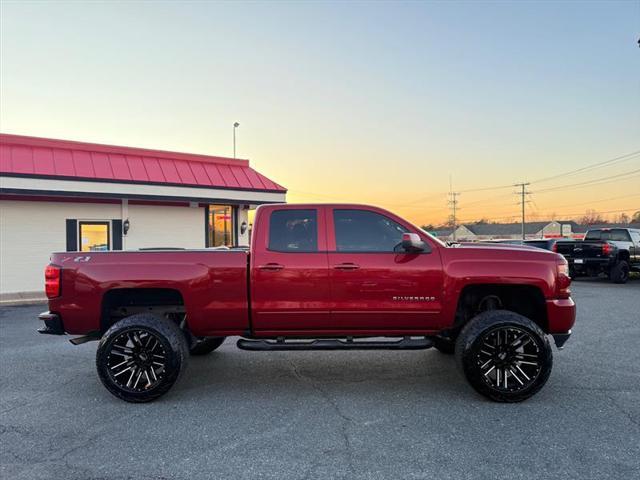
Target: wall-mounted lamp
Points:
x,y
243,228
125,226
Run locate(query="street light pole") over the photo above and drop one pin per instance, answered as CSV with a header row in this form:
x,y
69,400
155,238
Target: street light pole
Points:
x,y
235,125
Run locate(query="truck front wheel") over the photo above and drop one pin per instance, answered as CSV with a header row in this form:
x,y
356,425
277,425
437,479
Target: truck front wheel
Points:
x,y
140,357
504,356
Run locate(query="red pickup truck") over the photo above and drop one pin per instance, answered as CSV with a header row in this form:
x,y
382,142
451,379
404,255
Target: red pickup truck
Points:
x,y
317,277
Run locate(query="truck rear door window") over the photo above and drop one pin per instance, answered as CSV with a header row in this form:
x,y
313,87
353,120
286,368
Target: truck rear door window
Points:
x,y
293,231
365,231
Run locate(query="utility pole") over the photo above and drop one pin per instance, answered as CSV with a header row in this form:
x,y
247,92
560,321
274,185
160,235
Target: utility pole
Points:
x,y
453,204
523,192
235,125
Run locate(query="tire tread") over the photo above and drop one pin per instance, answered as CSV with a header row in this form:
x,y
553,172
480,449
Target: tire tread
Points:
x,y
474,329
174,336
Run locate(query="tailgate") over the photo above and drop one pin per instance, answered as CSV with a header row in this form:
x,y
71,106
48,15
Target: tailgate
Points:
x,y
588,250
584,249
565,248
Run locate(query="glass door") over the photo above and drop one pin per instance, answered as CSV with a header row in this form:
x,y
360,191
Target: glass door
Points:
x,y
220,225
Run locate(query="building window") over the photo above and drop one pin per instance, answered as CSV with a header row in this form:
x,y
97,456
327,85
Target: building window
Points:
x,y
220,226
94,236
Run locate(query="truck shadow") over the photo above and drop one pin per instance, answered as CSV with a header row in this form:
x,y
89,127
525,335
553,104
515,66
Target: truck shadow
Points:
x,y
300,373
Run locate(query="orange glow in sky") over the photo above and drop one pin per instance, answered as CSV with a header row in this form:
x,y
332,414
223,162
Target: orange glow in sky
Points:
x,y
380,103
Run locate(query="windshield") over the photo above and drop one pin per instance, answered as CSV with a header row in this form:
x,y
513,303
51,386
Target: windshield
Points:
x,y
435,239
615,234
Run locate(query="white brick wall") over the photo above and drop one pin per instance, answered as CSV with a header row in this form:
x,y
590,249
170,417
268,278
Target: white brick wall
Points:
x,y
30,231
161,226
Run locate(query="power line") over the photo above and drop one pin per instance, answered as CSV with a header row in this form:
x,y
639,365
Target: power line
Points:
x,y
591,182
561,214
597,181
621,158
477,202
599,201
498,187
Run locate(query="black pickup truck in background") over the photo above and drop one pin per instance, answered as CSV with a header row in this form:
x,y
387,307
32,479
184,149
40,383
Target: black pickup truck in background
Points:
x,y
613,251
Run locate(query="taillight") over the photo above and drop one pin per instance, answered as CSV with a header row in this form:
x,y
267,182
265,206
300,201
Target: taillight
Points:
x,y
563,280
554,248
606,249
52,281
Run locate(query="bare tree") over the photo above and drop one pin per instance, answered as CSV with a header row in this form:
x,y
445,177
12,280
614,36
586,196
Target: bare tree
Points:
x,y
622,218
591,217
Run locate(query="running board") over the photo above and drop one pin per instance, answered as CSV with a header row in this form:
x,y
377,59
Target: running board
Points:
x,y
406,343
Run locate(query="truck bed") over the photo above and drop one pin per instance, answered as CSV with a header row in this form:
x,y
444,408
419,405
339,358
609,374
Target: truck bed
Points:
x,y
191,273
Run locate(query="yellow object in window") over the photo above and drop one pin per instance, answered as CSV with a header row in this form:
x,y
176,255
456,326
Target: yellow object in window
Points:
x,y
94,236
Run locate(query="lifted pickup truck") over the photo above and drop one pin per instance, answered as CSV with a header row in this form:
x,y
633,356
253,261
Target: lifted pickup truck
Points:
x,y
317,277
612,251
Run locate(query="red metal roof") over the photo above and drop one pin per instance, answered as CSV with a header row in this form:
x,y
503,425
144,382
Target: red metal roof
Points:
x,y
44,157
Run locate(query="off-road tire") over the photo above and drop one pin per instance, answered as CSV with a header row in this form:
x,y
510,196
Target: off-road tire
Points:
x,y
158,339
444,345
206,345
619,273
476,336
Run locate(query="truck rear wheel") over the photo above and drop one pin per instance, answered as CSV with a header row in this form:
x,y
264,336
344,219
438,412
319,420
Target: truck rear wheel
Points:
x,y
206,345
504,356
619,273
140,357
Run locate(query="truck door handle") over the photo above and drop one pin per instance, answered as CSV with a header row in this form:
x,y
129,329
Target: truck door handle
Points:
x,y
271,267
346,266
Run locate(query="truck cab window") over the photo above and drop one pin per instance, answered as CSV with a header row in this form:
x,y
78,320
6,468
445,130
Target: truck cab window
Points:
x,y
615,235
293,231
366,231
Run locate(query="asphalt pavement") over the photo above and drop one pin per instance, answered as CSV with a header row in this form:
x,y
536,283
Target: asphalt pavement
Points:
x,y
303,415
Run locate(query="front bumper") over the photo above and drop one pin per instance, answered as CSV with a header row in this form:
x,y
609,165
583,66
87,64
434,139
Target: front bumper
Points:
x,y
52,324
561,315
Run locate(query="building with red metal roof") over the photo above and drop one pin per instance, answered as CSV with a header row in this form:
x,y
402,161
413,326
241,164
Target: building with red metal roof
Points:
x,y
66,195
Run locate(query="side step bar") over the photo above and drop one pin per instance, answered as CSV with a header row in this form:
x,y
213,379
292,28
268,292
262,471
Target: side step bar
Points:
x,y
406,343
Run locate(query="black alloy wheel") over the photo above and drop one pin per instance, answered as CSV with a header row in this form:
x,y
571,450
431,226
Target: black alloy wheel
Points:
x,y
136,360
140,357
504,356
508,358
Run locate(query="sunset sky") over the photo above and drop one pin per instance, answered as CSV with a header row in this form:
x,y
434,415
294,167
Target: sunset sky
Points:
x,y
363,102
